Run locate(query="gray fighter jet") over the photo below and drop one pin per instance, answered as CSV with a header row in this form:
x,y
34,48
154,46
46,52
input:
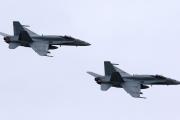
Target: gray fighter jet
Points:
x,y
39,43
132,84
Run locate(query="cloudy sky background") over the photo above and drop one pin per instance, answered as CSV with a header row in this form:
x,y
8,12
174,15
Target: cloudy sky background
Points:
x,y
142,36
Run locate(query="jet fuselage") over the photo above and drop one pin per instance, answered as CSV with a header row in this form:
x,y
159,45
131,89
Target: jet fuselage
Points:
x,y
142,79
53,40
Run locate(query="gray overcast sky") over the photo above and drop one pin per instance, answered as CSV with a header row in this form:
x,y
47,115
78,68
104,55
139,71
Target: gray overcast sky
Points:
x,y
143,36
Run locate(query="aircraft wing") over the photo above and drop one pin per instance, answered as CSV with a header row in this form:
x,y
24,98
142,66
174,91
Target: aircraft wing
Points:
x,y
123,73
40,47
133,88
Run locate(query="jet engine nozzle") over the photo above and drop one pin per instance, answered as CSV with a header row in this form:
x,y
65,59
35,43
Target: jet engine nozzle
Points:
x,y
7,39
98,80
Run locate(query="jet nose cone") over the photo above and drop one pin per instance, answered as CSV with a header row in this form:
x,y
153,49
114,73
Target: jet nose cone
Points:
x,y
82,43
175,82
178,82
87,44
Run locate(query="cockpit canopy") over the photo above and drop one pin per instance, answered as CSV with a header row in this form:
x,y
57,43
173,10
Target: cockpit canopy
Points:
x,y
159,77
68,37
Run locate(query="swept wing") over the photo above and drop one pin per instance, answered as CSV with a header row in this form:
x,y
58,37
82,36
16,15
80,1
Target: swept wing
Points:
x,y
133,88
40,47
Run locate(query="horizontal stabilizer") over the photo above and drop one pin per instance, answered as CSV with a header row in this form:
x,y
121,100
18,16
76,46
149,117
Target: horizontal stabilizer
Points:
x,y
4,34
13,45
105,87
94,74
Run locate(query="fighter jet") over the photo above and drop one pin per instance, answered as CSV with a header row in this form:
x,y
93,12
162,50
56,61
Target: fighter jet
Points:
x,y
41,44
132,84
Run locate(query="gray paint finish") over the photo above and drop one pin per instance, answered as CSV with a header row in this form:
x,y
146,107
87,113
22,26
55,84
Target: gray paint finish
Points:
x,y
40,44
142,36
132,84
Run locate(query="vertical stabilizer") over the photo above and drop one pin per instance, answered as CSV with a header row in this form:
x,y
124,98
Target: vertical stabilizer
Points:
x,y
17,28
108,68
